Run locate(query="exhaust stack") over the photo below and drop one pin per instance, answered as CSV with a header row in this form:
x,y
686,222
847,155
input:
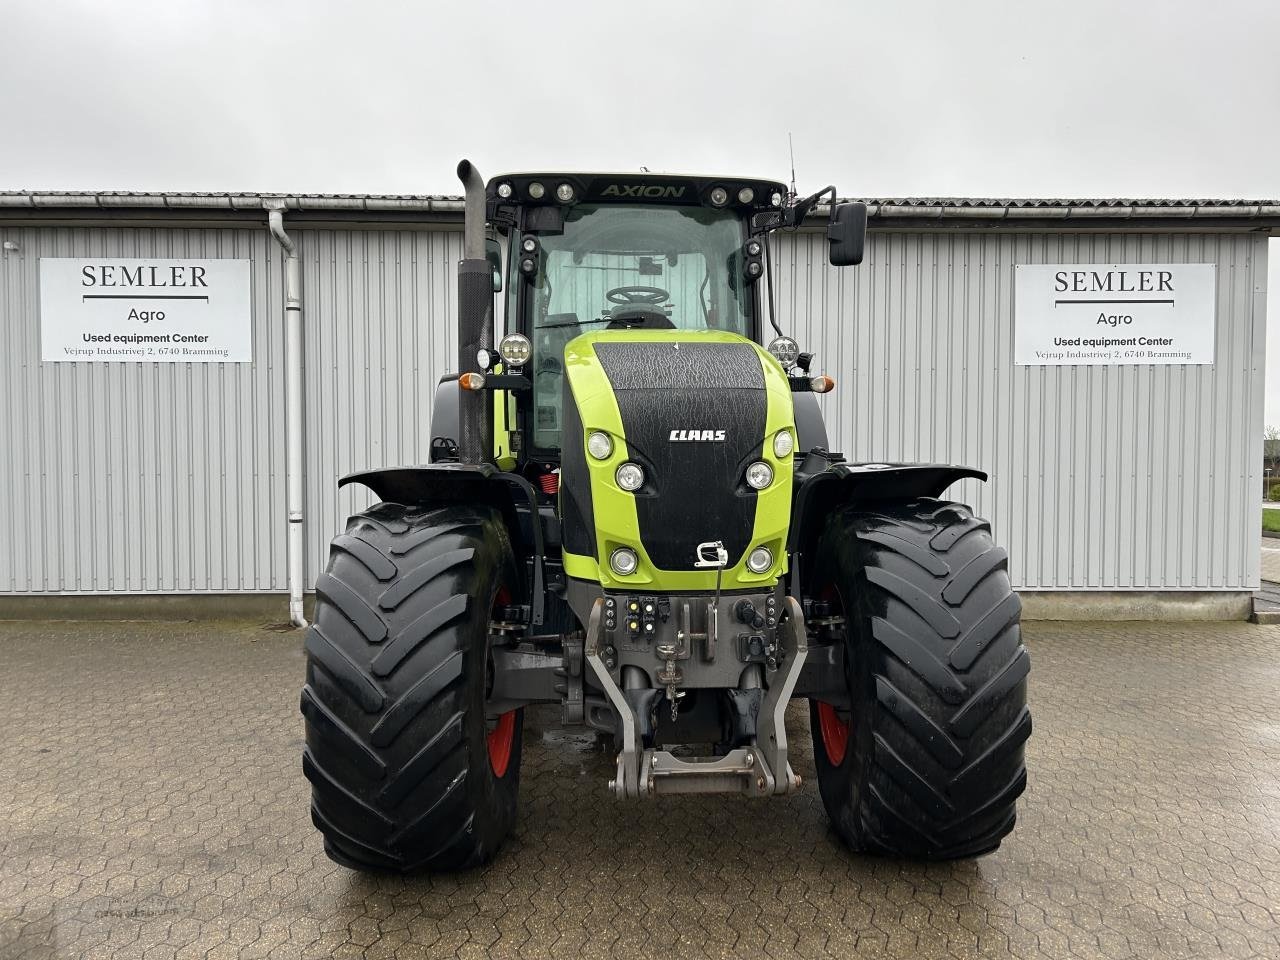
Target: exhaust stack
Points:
x,y
475,321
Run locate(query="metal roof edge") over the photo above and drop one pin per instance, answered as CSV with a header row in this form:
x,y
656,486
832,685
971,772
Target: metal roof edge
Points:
x,y
948,208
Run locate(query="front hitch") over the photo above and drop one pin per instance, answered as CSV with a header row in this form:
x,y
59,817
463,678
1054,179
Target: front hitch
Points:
x,y
759,770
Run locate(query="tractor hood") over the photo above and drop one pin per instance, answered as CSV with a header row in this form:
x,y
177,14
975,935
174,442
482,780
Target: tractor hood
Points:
x,y
694,409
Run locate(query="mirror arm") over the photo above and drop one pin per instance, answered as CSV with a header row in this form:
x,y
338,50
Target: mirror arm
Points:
x,y
768,275
794,215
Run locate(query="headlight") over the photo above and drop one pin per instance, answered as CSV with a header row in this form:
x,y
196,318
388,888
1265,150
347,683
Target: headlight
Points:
x,y
599,445
719,196
759,475
624,561
746,195
630,476
786,351
515,349
783,443
504,190
537,190
760,559
564,192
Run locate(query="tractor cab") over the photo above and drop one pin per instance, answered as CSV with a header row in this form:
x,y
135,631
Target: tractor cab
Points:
x,y
590,253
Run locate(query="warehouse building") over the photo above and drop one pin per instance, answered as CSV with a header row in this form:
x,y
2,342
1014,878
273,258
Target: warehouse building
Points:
x,y
1125,467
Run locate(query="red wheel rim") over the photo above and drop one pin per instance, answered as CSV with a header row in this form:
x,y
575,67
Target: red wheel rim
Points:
x,y
835,732
499,740
833,727
502,736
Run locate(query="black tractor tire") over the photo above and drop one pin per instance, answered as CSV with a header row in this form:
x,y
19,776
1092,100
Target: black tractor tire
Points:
x,y
406,775
927,761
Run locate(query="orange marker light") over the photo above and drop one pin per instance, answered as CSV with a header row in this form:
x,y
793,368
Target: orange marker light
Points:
x,y
471,381
821,384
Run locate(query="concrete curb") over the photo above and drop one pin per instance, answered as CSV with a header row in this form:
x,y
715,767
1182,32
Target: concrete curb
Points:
x,y
266,607
1169,605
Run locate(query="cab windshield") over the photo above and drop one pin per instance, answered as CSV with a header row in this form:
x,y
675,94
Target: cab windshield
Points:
x,y
630,267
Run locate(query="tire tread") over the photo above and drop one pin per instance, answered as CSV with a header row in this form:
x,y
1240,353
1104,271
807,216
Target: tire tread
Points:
x,y
386,704
937,621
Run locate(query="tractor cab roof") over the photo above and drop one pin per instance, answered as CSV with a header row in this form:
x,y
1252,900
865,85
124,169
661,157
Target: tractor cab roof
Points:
x,y
744,194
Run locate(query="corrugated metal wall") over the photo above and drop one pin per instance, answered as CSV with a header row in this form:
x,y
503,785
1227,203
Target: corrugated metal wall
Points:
x,y
128,477
381,329
169,478
1123,477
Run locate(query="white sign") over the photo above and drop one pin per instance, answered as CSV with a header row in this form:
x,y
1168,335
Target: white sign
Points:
x,y
185,311
1089,313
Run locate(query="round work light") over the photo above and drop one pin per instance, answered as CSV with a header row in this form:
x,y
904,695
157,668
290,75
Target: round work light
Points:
x,y
599,445
759,475
783,443
624,561
760,559
515,349
630,476
785,350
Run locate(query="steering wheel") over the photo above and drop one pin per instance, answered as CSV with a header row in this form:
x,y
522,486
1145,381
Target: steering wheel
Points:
x,y
629,296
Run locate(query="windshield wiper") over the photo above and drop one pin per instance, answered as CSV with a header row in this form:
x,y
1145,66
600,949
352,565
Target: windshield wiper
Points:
x,y
571,323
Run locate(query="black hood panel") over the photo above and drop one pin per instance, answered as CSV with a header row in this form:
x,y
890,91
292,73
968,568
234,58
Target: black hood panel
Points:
x,y
695,490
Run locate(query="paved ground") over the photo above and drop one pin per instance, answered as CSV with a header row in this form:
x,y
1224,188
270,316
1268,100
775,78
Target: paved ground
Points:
x,y
152,805
1271,559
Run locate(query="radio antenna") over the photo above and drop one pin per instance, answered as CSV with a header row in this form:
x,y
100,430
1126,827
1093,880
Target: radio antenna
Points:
x,y
791,145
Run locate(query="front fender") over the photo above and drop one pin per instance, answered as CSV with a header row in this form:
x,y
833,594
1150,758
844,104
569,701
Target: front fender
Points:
x,y
477,483
431,483
446,421
823,487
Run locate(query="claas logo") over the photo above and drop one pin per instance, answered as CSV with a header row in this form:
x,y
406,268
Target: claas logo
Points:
x,y
677,435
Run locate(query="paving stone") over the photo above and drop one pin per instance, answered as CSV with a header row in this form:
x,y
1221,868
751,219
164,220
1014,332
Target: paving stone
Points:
x,y
1271,558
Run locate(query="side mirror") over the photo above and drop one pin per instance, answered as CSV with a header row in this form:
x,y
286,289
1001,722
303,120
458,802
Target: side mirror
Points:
x,y
493,253
847,233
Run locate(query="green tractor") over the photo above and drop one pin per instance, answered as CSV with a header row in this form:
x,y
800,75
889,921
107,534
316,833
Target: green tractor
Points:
x,y
632,511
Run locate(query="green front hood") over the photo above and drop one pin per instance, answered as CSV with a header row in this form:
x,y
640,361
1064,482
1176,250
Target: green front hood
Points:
x,y
694,409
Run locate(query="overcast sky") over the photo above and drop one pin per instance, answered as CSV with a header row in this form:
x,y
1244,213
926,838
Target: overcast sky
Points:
x,y
1099,99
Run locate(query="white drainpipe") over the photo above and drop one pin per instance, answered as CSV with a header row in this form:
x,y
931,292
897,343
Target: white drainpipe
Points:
x,y
292,411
